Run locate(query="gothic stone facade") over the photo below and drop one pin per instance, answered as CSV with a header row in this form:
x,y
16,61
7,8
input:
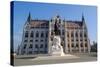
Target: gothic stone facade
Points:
x,y
38,36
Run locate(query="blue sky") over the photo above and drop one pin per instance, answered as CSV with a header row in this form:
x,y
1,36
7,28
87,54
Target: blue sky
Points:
x,y
47,11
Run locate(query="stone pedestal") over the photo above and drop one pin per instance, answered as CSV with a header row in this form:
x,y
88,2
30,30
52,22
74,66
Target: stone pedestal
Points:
x,y
56,47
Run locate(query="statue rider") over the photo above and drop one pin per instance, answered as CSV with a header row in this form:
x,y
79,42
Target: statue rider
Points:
x,y
56,28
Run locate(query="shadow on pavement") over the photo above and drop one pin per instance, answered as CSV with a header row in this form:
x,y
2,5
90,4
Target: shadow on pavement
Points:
x,y
26,58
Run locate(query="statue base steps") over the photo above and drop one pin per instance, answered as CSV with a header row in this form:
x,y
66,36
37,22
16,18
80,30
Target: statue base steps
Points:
x,y
58,54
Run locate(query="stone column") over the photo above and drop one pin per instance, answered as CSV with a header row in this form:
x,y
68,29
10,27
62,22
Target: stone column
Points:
x,y
88,42
89,47
83,42
74,38
79,41
49,39
70,44
66,45
33,42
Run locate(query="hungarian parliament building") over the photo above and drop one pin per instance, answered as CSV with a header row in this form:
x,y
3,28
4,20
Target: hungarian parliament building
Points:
x,y
38,36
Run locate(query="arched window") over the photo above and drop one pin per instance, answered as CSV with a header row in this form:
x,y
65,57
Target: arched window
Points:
x,y
36,40
80,34
85,44
72,34
25,40
31,46
76,34
47,34
32,34
72,45
37,34
42,34
67,34
24,46
45,45
36,45
68,45
26,34
85,39
41,46
85,35
31,40
76,39
81,45
76,45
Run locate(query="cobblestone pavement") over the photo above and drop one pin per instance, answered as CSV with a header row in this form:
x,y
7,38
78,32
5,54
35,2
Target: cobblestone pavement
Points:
x,y
69,58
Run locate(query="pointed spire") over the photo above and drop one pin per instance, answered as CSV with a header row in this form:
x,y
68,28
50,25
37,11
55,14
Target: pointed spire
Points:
x,y
29,17
83,20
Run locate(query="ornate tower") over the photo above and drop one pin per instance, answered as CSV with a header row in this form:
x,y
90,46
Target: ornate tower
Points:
x,y
85,36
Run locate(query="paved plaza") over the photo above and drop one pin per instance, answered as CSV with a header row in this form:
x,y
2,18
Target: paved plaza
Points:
x,y
68,58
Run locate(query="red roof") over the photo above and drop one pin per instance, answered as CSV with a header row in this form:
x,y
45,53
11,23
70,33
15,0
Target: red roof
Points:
x,y
45,23
39,23
74,24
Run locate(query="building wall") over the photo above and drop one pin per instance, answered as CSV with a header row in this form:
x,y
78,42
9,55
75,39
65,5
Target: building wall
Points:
x,y
77,40
36,44
74,40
